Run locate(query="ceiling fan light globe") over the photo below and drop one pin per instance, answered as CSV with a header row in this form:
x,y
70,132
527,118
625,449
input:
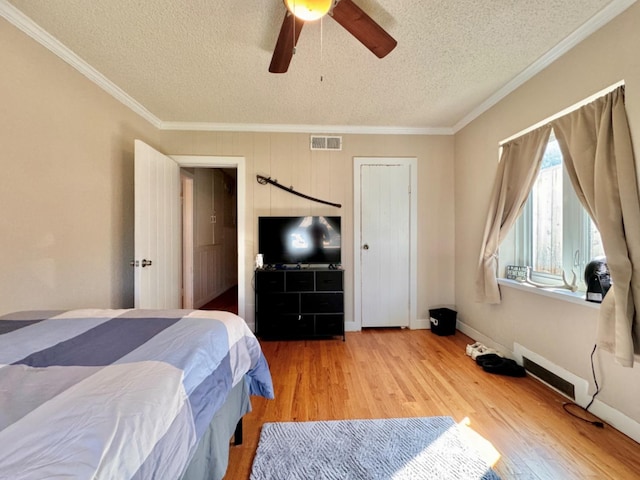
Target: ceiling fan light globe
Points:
x,y
309,10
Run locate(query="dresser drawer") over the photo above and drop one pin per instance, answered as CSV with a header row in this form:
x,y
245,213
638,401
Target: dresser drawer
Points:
x,y
321,303
300,282
332,324
277,303
267,282
285,326
330,281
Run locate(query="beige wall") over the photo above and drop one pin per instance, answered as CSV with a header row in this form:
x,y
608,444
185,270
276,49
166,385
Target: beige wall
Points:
x,y
66,189
561,332
329,176
66,200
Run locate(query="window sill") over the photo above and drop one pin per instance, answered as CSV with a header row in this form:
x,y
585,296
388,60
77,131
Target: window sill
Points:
x,y
556,293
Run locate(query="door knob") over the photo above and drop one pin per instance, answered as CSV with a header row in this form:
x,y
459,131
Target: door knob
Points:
x,y
145,262
365,247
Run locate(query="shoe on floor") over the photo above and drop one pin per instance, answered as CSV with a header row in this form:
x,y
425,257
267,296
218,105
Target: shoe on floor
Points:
x,y
506,366
482,351
488,358
471,348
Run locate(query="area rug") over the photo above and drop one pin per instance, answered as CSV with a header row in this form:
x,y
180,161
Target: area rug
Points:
x,y
398,449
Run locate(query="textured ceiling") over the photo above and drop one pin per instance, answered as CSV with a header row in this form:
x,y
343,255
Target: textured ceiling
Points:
x,y
205,61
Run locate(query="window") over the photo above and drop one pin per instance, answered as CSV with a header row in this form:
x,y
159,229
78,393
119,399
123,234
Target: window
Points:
x,y
554,232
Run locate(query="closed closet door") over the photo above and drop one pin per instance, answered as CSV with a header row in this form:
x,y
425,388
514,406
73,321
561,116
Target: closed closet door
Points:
x,y
384,250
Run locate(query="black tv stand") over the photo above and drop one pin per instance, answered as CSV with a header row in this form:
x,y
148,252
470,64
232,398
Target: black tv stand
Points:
x,y
299,303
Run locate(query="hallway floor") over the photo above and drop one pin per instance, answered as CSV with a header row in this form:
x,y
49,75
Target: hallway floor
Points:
x,y
227,301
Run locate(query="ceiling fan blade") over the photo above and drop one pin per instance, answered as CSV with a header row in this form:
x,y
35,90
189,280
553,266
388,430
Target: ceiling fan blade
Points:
x,y
282,54
363,27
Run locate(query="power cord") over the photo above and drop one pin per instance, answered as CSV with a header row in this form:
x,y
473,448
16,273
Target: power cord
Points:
x,y
566,405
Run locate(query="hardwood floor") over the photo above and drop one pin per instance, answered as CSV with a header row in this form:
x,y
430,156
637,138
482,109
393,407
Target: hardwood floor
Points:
x,y
227,301
387,373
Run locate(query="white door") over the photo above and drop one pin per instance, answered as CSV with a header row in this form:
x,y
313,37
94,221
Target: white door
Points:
x,y
187,181
157,235
384,250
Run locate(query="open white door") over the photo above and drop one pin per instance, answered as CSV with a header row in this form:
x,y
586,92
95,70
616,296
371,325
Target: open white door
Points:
x,y
158,231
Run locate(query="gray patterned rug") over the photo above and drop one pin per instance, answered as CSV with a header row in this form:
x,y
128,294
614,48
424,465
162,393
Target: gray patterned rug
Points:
x,y
397,448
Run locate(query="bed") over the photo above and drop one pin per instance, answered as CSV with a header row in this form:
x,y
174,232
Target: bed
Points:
x,y
126,394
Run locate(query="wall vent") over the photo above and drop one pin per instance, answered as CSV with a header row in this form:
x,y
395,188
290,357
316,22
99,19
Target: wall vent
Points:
x,y
320,142
550,378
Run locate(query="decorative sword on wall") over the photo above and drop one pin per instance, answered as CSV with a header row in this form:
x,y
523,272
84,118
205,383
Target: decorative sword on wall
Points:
x,y
262,180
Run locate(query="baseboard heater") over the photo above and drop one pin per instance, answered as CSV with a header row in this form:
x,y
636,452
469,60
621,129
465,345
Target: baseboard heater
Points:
x,y
556,377
550,378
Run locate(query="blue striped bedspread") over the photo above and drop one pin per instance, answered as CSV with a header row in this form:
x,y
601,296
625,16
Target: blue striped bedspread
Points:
x,y
117,394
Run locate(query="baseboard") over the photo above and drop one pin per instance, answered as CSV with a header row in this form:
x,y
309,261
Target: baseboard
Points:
x,y
351,327
616,419
610,415
418,324
479,337
613,417
421,324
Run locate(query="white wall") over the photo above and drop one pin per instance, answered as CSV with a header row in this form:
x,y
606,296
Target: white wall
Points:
x,y
563,333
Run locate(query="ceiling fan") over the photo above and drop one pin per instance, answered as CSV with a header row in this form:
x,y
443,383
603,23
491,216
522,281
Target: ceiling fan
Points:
x,y
345,12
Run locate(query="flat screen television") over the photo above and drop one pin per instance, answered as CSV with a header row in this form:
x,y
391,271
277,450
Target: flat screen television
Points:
x,y
299,240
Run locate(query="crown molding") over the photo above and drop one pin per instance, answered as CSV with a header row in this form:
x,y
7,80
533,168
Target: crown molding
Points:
x,y
600,19
28,26
321,129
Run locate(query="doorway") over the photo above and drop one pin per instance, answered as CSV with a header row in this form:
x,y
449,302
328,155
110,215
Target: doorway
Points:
x,y
210,250
385,242
236,164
